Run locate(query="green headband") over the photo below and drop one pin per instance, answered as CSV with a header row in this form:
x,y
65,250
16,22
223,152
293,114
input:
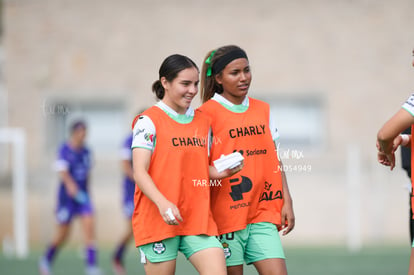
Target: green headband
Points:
x,y
208,62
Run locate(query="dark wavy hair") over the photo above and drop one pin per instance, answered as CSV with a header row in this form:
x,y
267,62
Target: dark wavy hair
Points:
x,y
209,85
169,69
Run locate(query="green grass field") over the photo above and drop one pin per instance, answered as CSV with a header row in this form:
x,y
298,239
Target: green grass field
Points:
x,y
309,260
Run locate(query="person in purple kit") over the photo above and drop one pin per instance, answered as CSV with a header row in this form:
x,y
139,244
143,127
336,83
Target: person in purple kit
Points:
x,y
73,165
128,205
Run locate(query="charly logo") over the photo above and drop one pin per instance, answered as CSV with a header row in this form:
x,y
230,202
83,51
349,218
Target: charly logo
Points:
x,y
251,130
268,195
158,248
149,137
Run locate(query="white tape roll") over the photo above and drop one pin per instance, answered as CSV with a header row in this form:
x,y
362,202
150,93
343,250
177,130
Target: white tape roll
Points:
x,y
170,214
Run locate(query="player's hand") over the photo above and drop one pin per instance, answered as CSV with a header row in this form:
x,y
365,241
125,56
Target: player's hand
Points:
x,y
170,213
288,218
387,159
230,172
81,197
396,143
72,189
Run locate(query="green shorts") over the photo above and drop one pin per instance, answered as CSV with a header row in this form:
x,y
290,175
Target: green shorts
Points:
x,y
167,250
258,241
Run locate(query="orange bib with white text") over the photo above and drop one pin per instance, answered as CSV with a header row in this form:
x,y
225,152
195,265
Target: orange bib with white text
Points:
x,y
255,193
179,169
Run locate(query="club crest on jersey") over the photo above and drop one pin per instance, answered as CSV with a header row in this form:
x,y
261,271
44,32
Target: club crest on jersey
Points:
x,y
227,250
158,248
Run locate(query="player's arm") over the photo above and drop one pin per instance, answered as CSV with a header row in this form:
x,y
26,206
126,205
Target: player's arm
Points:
x,y
288,216
387,135
141,161
143,143
69,183
392,128
62,167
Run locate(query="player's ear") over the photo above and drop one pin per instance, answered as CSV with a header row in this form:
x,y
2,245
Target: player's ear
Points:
x,y
218,78
164,82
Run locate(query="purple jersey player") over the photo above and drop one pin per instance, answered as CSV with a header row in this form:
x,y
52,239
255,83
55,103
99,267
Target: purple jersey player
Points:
x,y
128,205
73,165
128,182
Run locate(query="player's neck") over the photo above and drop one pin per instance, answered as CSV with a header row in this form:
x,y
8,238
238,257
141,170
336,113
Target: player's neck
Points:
x,y
236,100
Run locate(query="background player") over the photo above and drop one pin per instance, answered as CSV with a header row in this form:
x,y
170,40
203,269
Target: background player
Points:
x,y
127,203
73,165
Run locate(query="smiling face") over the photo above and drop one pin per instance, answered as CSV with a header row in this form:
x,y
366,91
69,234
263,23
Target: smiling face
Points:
x,y
181,90
235,79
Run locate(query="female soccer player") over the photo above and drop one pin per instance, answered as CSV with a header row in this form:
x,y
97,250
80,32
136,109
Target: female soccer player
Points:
x,y
388,140
170,162
250,206
128,205
74,166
